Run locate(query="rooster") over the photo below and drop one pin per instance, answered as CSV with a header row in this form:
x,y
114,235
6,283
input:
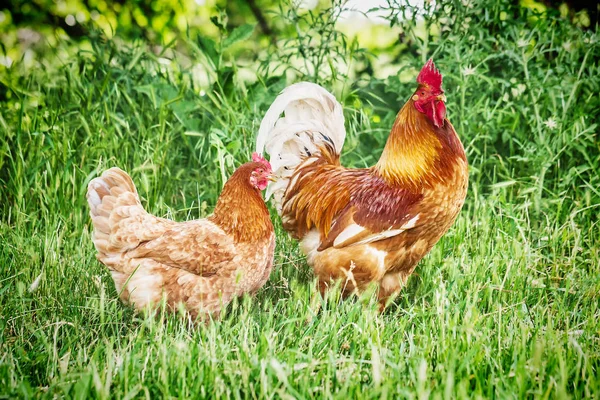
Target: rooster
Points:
x,y
201,264
367,225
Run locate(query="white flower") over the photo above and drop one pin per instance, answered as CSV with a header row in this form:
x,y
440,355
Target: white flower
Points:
x,y
307,4
518,90
537,283
523,42
551,123
568,46
6,61
466,71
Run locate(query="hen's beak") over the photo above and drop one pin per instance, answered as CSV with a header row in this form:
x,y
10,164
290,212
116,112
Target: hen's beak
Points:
x,y
441,97
271,178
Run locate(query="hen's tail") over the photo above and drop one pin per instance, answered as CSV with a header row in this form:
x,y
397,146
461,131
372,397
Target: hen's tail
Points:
x,y
312,124
120,222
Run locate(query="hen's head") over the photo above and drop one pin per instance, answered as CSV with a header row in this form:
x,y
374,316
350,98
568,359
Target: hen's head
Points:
x,y
429,97
260,172
241,210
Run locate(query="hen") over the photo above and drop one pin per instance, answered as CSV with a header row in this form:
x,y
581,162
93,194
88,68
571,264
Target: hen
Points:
x,y
371,224
201,264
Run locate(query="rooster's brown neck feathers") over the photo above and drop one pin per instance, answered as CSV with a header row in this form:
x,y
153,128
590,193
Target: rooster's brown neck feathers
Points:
x,y
240,210
417,154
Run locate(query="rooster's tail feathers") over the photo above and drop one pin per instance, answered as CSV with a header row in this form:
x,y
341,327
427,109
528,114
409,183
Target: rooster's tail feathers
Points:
x,y
313,121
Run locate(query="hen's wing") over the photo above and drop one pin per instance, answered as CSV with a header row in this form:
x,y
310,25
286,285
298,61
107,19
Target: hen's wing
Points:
x,y
200,247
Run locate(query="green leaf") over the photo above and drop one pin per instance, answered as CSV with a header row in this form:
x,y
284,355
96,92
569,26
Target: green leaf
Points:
x,y
216,22
148,90
234,146
240,33
504,184
208,47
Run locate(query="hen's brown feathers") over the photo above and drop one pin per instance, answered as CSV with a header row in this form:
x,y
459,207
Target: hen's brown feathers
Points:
x,y
195,246
199,264
120,221
241,210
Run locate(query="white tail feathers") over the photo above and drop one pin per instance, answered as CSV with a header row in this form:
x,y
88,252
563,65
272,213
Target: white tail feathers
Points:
x,y
312,118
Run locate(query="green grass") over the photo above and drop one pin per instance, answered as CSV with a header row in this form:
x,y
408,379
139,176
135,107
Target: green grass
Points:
x,y
507,305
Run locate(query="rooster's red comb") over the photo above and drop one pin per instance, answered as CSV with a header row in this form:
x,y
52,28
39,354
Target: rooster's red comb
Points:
x,y
430,75
258,158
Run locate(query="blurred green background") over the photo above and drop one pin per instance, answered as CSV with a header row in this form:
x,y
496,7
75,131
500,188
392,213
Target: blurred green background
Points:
x,y
28,28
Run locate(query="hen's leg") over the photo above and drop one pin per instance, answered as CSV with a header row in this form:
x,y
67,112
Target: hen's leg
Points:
x,y
389,287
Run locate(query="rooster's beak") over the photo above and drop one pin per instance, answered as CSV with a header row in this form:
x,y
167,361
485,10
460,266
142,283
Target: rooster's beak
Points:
x,y
442,97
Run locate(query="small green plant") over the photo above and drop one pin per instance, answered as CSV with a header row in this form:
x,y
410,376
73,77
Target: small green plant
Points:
x,y
316,50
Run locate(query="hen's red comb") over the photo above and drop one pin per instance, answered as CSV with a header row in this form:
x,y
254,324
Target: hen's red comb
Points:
x,y
430,75
258,158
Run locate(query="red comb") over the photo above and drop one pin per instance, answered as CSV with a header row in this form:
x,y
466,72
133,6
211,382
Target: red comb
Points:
x,y
430,75
258,158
